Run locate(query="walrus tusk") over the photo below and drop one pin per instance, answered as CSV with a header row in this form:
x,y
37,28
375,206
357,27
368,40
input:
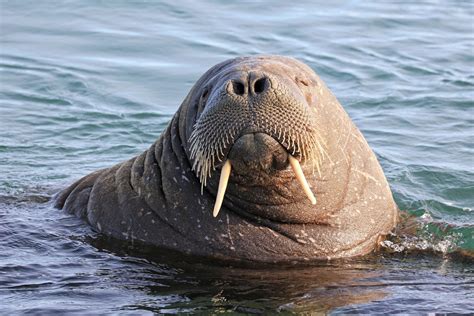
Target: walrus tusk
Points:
x,y
301,179
225,173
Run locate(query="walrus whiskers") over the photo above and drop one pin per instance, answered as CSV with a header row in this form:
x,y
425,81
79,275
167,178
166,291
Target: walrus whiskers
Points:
x,y
206,152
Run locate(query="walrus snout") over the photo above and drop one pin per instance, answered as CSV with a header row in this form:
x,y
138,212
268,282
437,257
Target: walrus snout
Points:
x,y
257,152
250,84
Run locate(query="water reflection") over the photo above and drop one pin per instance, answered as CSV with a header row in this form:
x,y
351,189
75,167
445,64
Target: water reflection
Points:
x,y
182,283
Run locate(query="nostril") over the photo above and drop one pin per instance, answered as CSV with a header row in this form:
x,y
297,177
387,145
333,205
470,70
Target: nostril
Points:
x,y
260,85
238,87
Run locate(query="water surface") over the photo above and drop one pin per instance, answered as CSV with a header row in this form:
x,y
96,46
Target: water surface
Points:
x,y
84,85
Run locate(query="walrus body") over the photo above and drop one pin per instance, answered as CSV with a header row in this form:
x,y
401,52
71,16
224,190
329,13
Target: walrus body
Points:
x,y
250,116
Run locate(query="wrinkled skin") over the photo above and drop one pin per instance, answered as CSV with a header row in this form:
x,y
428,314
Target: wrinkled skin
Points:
x,y
156,197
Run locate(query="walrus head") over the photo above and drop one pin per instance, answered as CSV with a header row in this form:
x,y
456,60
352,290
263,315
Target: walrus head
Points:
x,y
255,120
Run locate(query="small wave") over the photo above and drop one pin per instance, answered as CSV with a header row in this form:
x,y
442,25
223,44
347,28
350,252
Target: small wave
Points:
x,y
423,234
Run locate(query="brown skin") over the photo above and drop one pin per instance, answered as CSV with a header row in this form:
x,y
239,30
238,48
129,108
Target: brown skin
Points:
x,y
156,197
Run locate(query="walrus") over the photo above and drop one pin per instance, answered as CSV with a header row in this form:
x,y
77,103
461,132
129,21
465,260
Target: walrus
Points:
x,y
259,163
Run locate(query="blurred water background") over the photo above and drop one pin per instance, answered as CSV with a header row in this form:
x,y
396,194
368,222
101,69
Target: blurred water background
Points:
x,y
87,84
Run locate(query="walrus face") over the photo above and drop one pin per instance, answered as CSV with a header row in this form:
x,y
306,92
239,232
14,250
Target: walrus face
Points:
x,y
255,117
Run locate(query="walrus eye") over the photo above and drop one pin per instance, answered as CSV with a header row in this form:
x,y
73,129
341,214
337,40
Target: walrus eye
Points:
x,y
204,96
202,101
302,81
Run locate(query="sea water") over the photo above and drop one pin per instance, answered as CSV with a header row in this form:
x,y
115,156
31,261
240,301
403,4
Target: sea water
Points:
x,y
87,84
